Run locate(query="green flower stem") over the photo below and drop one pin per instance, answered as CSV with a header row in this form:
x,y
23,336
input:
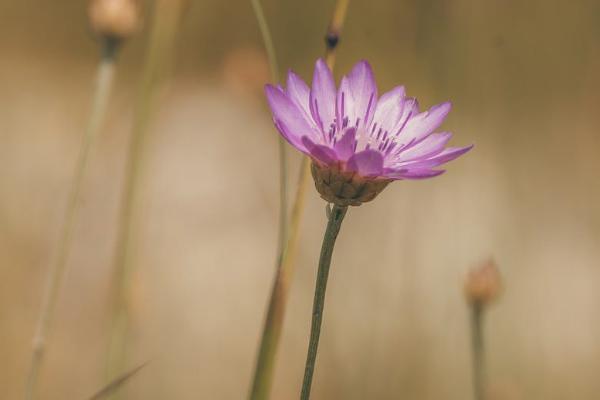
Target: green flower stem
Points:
x,y
265,365
477,343
333,228
104,79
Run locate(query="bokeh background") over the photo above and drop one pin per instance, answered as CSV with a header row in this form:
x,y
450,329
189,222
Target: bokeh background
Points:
x,y
524,81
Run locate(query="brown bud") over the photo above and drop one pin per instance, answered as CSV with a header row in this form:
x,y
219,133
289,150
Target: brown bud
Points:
x,y
114,19
483,284
345,188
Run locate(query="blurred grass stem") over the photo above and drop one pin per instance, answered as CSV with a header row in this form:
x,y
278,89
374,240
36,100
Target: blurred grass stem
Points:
x,y
166,21
282,235
102,87
333,228
335,30
477,343
265,364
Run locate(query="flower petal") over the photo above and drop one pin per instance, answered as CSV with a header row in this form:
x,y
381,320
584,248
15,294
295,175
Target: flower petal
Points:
x,y
288,118
416,173
422,173
299,93
357,96
410,108
322,96
425,123
448,154
389,109
344,147
366,163
428,147
319,152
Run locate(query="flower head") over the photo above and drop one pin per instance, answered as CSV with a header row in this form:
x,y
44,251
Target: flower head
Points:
x,y
114,19
359,142
483,284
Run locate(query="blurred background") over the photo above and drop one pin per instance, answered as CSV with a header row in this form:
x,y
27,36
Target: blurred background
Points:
x,y
524,81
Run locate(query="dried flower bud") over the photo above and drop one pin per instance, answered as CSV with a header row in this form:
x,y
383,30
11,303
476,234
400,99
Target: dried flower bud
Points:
x,y
345,188
483,284
114,19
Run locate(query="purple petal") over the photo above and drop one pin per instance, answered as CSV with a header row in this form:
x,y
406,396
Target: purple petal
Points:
x,y
344,147
410,108
322,96
366,163
319,152
426,122
421,173
288,118
448,154
357,96
416,173
428,147
389,109
299,93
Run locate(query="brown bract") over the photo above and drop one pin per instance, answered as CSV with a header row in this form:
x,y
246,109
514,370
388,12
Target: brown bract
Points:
x,y
345,188
114,19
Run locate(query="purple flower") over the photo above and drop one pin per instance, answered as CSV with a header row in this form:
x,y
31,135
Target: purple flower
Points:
x,y
356,138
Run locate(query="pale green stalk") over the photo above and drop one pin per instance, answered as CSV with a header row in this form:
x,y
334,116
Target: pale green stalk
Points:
x,y
333,228
102,87
478,350
167,14
282,236
265,364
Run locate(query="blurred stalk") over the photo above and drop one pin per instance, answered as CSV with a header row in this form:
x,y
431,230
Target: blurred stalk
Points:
x,y
334,31
265,364
116,384
477,344
166,19
336,216
482,287
102,87
283,190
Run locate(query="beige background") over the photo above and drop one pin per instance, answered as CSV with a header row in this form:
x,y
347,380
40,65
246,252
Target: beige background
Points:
x,y
523,77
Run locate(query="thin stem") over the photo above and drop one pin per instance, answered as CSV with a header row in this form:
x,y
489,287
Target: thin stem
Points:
x,y
165,25
478,348
274,67
102,86
265,364
333,228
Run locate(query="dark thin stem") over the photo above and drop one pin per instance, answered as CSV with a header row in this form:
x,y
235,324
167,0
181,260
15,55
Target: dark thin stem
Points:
x,y
477,344
333,228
